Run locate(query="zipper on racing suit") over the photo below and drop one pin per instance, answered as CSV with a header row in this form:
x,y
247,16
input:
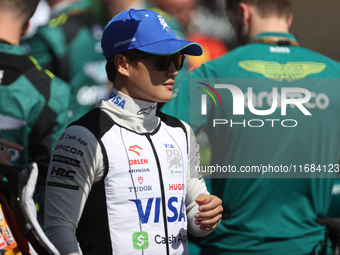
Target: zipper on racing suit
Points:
x,y
162,191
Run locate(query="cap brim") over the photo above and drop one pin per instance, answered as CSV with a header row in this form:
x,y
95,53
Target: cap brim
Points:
x,y
169,47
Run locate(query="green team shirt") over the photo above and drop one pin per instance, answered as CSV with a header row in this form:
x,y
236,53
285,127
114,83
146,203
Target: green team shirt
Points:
x,y
33,107
267,215
70,47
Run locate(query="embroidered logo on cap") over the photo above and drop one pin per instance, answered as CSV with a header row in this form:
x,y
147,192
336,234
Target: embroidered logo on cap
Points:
x,y
164,24
124,42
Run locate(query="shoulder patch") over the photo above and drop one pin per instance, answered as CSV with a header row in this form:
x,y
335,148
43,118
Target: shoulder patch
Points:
x,y
58,21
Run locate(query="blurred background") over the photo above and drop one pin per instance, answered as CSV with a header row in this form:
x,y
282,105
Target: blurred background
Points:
x,y
315,23
316,26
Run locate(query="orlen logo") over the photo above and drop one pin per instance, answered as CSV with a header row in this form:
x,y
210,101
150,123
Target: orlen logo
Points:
x,y
138,161
134,148
144,215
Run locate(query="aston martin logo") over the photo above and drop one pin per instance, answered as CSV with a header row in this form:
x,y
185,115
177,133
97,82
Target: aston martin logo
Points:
x,y
279,72
10,123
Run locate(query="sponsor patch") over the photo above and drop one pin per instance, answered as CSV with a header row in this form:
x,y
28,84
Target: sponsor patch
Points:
x,y
66,160
61,185
61,173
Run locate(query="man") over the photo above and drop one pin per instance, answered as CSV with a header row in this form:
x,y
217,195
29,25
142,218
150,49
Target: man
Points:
x,y
33,112
122,179
110,8
33,104
274,109
69,46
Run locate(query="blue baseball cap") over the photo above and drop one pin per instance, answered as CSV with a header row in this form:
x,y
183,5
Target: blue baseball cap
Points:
x,y
144,30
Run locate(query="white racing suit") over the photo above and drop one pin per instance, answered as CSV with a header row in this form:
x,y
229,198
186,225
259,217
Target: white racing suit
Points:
x,y
123,181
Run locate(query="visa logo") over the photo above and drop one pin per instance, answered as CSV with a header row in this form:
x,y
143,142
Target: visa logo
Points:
x,y
144,215
168,145
117,100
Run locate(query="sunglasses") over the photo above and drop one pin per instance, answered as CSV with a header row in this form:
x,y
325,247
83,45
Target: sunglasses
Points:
x,y
163,62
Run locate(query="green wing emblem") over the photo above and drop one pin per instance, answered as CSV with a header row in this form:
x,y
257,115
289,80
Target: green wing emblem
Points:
x,y
276,71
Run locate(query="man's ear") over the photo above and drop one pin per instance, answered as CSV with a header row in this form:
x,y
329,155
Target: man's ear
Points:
x,y
290,20
121,64
26,29
245,13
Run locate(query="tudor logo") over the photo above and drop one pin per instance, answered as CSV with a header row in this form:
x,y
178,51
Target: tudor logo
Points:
x,y
140,180
133,149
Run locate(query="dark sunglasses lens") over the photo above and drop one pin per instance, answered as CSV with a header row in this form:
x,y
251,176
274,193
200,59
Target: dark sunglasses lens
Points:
x,y
179,61
163,63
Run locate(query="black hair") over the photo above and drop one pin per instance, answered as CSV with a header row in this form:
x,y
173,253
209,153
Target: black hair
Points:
x,y
111,70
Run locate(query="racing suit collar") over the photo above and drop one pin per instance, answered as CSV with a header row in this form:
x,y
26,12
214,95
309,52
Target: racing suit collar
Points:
x,y
136,115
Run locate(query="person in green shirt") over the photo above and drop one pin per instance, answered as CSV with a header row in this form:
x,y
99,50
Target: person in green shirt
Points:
x,y
269,109
33,102
69,46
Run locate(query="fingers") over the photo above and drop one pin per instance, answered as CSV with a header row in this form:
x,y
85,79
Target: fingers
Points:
x,y
11,145
208,220
5,156
209,227
210,202
210,212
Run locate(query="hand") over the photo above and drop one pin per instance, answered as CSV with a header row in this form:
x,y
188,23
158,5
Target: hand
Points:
x,y
5,156
210,211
